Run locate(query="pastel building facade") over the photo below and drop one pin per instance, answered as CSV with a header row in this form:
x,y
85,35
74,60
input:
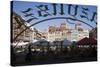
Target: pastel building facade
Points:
x,y
64,32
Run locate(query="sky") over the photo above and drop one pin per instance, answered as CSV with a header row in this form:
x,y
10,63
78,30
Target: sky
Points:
x,y
19,6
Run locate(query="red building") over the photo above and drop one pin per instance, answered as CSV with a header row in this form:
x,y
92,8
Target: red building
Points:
x,y
87,42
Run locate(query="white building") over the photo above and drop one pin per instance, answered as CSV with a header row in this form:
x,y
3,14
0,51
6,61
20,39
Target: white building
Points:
x,y
63,32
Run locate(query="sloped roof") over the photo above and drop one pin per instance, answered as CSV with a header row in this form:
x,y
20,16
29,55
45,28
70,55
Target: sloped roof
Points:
x,y
87,41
